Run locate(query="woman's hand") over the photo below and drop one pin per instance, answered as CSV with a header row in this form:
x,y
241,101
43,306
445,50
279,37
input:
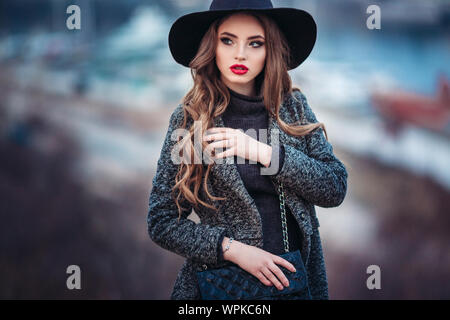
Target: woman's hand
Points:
x,y
238,144
259,263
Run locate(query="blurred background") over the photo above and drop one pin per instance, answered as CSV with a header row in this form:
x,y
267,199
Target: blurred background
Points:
x,y
83,114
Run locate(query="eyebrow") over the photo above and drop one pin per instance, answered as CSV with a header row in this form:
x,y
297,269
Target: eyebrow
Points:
x,y
249,38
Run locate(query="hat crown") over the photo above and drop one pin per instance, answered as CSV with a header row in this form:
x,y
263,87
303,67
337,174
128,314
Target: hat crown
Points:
x,y
240,4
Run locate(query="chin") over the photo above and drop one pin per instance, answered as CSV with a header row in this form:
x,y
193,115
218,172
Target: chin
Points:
x,y
240,79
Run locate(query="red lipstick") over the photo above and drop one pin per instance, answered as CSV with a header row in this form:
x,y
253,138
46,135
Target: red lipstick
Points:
x,y
239,69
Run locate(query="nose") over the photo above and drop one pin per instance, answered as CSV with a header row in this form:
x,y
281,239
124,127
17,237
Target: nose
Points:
x,y
241,53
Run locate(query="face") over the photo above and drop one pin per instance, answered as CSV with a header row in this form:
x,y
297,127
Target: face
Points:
x,y
241,41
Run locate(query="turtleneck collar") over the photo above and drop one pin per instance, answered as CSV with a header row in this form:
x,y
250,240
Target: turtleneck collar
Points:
x,y
245,97
245,105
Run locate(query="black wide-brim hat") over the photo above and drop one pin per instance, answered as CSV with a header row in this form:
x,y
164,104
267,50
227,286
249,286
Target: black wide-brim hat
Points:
x,y
297,25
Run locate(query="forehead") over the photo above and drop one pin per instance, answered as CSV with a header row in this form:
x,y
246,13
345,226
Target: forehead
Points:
x,y
242,25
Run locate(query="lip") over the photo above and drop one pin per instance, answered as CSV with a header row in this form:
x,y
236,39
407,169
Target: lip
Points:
x,y
237,71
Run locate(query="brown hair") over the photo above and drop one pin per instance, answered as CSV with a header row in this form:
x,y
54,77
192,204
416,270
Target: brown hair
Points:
x,y
209,98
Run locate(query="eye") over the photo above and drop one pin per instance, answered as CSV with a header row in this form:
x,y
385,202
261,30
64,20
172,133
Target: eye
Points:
x,y
259,44
224,40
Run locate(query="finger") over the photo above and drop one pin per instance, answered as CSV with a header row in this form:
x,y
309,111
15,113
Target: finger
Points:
x,y
227,153
218,129
221,133
218,144
269,275
263,278
280,275
216,136
284,263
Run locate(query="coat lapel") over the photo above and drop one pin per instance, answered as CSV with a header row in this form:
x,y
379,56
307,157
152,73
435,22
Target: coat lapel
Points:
x,y
227,170
229,181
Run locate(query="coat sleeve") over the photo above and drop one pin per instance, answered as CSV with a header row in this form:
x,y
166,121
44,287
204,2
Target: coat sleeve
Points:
x,y
184,237
319,177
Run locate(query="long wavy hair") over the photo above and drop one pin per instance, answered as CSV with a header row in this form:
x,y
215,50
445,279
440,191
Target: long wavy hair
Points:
x,y
209,98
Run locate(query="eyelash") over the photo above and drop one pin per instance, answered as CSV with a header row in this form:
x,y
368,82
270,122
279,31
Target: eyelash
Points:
x,y
260,43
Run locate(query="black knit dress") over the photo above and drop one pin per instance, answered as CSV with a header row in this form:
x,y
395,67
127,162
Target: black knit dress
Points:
x,y
245,112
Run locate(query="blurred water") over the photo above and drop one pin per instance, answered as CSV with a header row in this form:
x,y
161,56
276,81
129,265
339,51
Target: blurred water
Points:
x,y
415,149
412,60
131,67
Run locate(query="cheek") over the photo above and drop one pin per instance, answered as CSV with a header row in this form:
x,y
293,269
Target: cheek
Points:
x,y
220,57
261,58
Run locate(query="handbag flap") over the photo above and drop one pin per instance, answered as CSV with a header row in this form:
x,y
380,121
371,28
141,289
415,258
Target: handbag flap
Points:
x,y
234,283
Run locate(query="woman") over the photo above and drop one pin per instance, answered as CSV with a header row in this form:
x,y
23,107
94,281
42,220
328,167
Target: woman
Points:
x,y
239,53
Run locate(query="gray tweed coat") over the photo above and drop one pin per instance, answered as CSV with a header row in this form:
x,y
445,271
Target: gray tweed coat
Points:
x,y
311,174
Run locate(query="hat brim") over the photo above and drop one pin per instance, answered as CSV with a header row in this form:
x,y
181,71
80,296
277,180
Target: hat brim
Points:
x,y
297,25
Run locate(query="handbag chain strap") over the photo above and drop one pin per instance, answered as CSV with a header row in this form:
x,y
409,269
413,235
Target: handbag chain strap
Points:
x,y
283,217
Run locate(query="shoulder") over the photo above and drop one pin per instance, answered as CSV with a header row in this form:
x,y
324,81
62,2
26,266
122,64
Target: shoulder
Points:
x,y
297,97
177,116
296,104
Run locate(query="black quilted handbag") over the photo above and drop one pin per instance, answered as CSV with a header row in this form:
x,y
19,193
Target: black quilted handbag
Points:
x,y
234,283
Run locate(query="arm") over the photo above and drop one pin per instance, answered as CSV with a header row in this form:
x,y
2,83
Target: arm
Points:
x,y
186,238
319,177
270,157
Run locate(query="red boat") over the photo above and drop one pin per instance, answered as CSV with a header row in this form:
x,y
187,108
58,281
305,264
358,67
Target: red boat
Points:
x,y
399,108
